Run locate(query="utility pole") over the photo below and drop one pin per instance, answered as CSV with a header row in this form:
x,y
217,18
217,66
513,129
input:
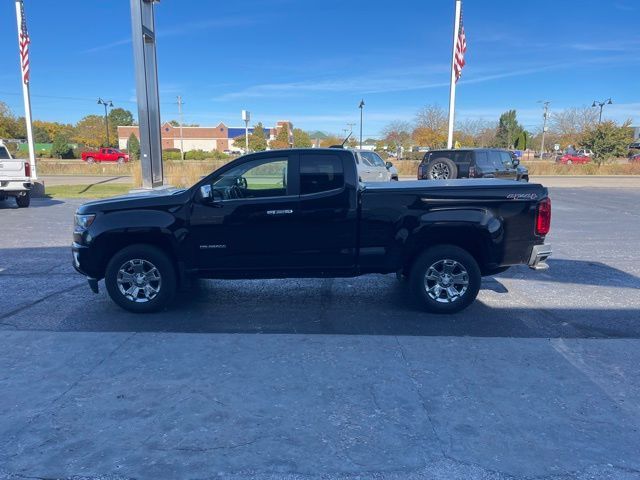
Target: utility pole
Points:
x,y
361,107
180,103
596,103
351,125
107,104
544,125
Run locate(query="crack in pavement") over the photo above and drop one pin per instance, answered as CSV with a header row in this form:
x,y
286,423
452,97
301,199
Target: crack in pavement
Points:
x,y
40,300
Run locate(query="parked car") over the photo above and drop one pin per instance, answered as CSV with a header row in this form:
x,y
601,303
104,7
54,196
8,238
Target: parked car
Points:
x,y
585,152
303,213
393,171
371,168
471,163
570,158
15,178
105,155
635,158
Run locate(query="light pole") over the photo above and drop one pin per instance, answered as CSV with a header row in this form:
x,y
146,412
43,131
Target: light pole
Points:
x,y
544,125
361,107
107,104
601,105
246,117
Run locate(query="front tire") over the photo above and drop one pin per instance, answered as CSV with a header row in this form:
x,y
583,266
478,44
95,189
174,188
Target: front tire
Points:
x,y
121,160
90,160
442,169
141,279
445,279
23,201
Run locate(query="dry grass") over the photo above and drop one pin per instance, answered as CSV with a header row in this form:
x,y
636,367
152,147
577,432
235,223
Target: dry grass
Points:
x,y
182,174
82,168
546,168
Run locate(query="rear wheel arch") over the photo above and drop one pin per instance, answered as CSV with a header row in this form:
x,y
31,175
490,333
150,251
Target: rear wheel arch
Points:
x,y
468,238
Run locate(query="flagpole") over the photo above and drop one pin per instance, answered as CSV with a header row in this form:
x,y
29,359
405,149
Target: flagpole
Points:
x,y
27,100
452,92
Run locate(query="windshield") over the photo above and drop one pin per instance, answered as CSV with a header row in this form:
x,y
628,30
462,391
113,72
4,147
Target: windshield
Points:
x,y
372,159
4,153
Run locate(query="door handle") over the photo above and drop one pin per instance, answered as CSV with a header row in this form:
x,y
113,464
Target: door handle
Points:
x,y
279,212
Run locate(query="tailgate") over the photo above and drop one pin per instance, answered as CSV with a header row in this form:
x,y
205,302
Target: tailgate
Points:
x,y
11,169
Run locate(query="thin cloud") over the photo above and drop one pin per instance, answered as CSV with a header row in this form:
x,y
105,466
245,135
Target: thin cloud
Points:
x,y
179,30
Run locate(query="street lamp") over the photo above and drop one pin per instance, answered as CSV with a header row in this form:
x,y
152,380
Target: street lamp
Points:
x,y
361,107
107,104
596,103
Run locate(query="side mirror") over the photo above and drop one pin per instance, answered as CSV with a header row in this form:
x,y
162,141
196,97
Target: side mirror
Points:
x,y
389,164
208,194
516,162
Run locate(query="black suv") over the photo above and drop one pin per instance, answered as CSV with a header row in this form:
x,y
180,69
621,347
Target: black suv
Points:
x,y
471,163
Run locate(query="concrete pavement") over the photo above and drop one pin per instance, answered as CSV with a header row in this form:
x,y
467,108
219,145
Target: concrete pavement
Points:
x,y
311,379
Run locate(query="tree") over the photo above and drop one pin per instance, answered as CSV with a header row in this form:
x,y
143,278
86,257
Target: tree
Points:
x,y
120,117
608,140
301,139
397,134
330,140
53,129
257,139
61,147
10,125
431,127
522,141
90,131
508,129
282,138
569,125
133,147
40,135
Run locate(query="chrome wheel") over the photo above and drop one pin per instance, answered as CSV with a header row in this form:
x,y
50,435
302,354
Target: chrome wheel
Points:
x,y
139,280
446,281
440,171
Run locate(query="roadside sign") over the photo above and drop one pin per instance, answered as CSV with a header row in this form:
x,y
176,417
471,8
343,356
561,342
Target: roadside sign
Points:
x,y
556,147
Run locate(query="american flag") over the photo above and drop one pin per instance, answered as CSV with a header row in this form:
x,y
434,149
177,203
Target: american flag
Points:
x,y
461,49
24,40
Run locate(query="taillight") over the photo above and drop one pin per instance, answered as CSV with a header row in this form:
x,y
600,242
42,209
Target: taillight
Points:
x,y
543,217
472,171
420,172
27,169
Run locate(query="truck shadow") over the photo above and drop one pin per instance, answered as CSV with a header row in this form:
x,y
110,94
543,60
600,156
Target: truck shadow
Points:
x,y
532,306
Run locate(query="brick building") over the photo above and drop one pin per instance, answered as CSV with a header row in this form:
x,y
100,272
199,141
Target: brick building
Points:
x,y
218,138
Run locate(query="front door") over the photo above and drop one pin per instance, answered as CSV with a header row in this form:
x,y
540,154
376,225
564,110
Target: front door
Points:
x,y
251,223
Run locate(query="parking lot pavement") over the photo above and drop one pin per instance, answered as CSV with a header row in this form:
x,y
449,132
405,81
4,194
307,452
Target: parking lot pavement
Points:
x,y
339,378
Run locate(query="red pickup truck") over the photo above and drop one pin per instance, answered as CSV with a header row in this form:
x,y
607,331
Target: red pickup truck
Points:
x,y
105,155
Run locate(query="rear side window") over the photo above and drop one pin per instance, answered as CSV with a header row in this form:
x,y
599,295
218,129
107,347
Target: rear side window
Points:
x,y
496,161
482,160
4,154
320,173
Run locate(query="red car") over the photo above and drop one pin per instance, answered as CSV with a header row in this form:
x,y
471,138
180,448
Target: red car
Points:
x,y
571,158
635,159
105,155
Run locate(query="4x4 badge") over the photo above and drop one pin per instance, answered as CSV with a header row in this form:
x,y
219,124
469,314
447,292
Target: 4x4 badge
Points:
x,y
522,196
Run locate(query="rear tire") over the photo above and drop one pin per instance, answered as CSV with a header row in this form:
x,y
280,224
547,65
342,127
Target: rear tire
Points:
x,y
23,201
121,160
141,279
445,279
442,169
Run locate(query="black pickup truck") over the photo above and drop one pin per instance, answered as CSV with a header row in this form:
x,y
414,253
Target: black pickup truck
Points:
x,y
303,213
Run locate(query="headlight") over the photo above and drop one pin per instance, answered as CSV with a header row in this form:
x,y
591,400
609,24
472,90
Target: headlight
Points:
x,y
84,221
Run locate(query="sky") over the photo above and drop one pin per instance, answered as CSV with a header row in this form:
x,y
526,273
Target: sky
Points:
x,y
311,62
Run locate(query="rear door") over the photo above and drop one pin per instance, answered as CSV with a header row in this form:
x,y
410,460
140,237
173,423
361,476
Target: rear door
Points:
x,y
486,163
327,219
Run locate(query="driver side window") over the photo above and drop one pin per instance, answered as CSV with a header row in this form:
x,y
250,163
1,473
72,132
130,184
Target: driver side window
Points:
x,y
266,177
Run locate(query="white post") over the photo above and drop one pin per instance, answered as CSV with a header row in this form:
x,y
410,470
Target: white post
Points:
x,y
452,93
181,122
27,102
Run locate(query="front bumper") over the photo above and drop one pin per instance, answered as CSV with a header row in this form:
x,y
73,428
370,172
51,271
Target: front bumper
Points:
x,y
539,255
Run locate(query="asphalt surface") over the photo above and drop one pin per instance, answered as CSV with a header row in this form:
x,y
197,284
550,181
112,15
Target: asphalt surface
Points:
x,y
341,378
